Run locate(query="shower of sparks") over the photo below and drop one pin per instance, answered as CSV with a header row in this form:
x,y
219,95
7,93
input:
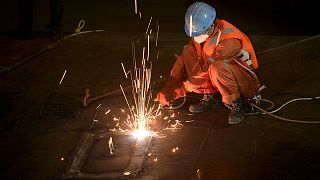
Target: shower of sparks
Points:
x,y
65,71
98,106
140,14
142,110
111,147
198,170
127,173
149,25
158,55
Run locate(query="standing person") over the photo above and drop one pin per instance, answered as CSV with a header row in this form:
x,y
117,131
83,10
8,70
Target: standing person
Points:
x,y
25,19
56,15
219,59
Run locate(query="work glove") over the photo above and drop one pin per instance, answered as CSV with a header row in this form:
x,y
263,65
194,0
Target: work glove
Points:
x,y
167,95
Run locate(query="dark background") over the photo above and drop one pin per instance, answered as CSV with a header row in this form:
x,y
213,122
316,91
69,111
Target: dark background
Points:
x,y
268,17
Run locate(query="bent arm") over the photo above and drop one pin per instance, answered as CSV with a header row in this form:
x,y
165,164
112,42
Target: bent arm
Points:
x,y
227,49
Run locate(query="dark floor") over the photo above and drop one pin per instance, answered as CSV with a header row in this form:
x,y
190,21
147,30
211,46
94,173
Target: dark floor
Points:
x,y
42,121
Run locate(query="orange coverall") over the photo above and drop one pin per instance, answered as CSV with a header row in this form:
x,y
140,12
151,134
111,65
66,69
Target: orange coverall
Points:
x,y
210,67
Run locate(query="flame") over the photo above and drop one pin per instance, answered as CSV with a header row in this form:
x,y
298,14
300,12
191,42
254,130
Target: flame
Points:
x,y
140,134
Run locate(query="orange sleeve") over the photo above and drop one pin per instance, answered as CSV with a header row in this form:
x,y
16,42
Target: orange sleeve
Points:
x,y
178,69
226,49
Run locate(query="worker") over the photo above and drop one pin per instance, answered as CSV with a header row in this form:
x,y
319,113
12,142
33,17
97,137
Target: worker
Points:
x,y
218,60
56,16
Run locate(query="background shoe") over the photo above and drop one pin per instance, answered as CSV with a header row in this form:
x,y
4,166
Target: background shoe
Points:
x,y
55,36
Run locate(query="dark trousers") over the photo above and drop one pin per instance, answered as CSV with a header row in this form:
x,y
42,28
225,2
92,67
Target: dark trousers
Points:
x,y
25,15
56,11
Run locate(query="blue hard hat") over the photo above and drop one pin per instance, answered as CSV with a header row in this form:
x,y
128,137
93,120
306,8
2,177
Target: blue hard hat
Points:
x,y
202,15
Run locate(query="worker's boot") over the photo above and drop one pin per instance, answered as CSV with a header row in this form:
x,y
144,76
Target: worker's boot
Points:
x,y
207,102
238,110
55,35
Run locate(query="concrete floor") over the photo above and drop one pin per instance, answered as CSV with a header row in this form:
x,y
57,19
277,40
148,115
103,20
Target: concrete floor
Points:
x,y
42,121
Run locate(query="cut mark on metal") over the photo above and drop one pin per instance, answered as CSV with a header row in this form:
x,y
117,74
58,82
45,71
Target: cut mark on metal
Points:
x,y
91,158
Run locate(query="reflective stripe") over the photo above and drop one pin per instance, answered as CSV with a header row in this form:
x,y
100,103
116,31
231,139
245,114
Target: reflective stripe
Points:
x,y
211,60
212,40
216,39
227,30
245,57
249,62
249,70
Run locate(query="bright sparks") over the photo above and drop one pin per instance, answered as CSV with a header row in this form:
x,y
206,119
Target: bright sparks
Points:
x,y
149,25
135,7
158,27
175,149
142,109
65,71
107,112
111,147
140,134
